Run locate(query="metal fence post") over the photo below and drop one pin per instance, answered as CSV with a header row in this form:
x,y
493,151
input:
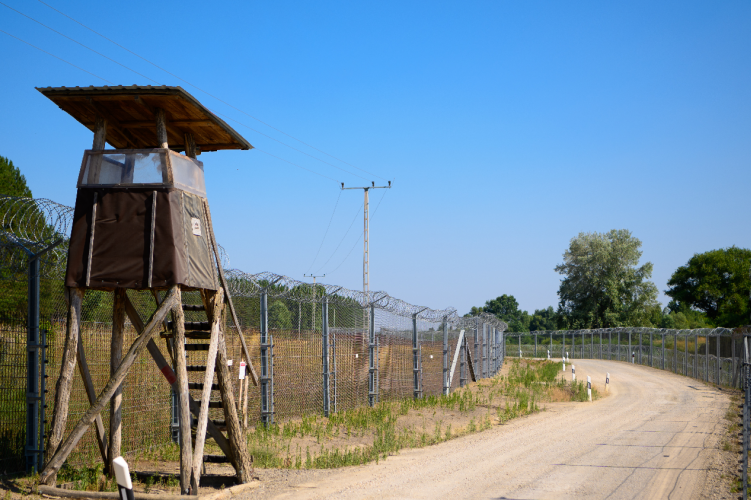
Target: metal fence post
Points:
x,y
462,361
746,416
640,347
618,347
372,394
696,356
651,364
325,356
476,349
719,366
519,337
551,342
675,352
610,344
706,358
267,365
600,344
535,344
446,387
33,397
563,345
415,361
662,365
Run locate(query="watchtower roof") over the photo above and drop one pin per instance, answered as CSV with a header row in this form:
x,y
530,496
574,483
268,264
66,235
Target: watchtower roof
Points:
x,y
130,115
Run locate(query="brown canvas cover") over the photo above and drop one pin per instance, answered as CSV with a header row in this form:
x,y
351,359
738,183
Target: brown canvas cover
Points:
x,y
122,237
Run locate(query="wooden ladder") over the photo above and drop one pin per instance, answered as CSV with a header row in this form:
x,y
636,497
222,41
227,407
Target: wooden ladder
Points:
x,y
210,359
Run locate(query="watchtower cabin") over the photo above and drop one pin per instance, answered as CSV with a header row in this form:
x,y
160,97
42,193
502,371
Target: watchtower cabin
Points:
x,y
142,222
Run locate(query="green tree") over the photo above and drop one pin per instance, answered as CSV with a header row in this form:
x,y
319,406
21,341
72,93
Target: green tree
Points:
x,y
543,319
12,182
279,316
506,308
715,282
603,287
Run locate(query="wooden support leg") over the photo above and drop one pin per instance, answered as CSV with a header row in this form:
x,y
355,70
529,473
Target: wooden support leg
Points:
x,y
65,382
244,467
186,453
246,382
208,380
116,352
56,461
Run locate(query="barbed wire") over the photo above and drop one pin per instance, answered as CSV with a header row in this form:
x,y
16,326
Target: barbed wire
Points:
x,y
34,224
29,226
694,332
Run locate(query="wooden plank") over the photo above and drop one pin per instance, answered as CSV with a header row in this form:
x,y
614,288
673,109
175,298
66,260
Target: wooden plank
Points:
x,y
116,352
65,381
171,378
186,452
456,356
58,458
91,239
203,415
151,239
246,352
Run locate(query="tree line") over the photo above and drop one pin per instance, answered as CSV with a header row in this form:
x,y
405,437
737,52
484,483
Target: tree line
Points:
x,y
603,286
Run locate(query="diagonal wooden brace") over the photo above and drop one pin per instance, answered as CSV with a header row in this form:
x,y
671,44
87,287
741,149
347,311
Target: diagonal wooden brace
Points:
x,y
53,466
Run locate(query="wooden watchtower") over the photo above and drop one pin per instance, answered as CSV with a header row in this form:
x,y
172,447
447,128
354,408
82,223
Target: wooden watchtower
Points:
x,y
142,222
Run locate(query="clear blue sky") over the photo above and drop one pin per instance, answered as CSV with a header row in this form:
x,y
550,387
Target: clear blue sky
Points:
x,y
506,127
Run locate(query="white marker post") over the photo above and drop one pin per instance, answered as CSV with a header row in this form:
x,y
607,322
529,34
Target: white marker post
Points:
x,y
122,475
573,373
564,365
548,353
567,358
632,357
520,353
589,387
241,376
607,382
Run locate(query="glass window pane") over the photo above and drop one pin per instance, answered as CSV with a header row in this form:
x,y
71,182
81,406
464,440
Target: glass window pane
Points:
x,y
188,174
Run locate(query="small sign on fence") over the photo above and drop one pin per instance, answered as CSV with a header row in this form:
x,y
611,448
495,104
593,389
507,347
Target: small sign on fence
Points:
x,y
241,373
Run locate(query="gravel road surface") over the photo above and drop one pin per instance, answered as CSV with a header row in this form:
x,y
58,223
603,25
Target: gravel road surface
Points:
x,y
653,436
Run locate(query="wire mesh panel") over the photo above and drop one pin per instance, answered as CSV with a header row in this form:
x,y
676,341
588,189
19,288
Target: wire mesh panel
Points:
x,y
12,393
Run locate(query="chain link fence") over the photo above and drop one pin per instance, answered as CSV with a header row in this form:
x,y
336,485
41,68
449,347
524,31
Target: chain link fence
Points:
x,y
709,354
327,348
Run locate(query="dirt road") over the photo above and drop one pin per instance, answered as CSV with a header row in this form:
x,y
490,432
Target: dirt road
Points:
x,y
652,437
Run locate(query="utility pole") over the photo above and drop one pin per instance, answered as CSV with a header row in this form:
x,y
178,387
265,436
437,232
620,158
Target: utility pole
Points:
x,y
314,296
366,239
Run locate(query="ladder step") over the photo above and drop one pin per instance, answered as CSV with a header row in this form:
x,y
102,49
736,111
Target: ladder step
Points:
x,y
215,459
199,386
196,347
192,325
212,404
193,307
189,335
197,368
218,423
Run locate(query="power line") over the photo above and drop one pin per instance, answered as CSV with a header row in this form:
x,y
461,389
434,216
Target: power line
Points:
x,y
296,165
79,43
56,57
327,230
211,95
342,240
285,144
360,237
